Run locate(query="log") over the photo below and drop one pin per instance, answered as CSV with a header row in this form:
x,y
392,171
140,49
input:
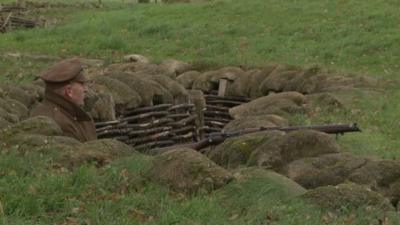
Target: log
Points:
x,y
135,111
155,137
106,123
178,116
184,137
157,114
214,124
151,124
231,98
184,122
184,130
217,108
222,120
109,133
208,129
109,127
183,107
151,145
227,103
136,133
217,114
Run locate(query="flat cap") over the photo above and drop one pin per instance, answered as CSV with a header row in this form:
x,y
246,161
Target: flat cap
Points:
x,y
64,71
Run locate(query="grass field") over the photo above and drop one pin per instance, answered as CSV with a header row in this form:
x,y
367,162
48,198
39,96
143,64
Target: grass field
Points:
x,y
355,37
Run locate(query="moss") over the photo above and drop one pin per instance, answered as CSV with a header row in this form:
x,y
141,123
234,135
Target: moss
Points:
x,y
123,95
347,196
286,186
268,120
186,79
236,151
280,104
17,93
187,171
35,125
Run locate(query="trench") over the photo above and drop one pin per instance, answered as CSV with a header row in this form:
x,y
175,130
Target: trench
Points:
x,y
164,124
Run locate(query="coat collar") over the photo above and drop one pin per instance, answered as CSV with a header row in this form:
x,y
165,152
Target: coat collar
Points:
x,y
67,105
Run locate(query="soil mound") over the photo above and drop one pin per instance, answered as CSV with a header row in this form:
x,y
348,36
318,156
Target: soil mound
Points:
x,y
35,125
236,151
209,81
240,85
33,89
127,67
161,94
313,79
25,143
255,77
294,145
136,58
329,169
186,79
280,104
272,149
277,81
187,171
380,175
4,123
140,85
145,69
307,81
255,121
149,90
97,152
287,187
176,89
175,67
17,93
15,107
67,151
123,95
347,196
307,143
9,117
101,106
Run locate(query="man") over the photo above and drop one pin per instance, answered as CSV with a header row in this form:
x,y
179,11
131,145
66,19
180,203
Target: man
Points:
x,y
63,100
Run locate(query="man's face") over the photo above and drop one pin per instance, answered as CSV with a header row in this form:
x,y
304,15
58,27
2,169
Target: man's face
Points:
x,y
76,92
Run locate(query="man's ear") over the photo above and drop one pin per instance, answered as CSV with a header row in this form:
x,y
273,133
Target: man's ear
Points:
x,y
68,90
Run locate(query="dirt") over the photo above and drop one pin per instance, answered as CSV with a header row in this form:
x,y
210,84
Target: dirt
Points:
x,y
188,171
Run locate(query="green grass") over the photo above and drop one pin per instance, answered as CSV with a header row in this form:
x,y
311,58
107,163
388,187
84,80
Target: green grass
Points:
x,y
355,37
351,35
35,194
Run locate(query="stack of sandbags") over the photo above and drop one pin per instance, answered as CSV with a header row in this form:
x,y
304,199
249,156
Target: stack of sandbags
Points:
x,y
41,135
280,104
16,100
131,90
273,78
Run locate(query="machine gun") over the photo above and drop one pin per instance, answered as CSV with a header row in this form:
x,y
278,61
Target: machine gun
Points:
x,y
219,137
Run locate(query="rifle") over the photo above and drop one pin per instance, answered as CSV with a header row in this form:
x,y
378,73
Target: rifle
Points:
x,y
216,138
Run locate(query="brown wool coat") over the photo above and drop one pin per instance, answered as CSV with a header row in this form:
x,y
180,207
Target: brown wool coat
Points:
x,y
74,122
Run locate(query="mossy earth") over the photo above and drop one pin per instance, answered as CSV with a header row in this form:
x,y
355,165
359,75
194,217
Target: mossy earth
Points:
x,y
38,189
